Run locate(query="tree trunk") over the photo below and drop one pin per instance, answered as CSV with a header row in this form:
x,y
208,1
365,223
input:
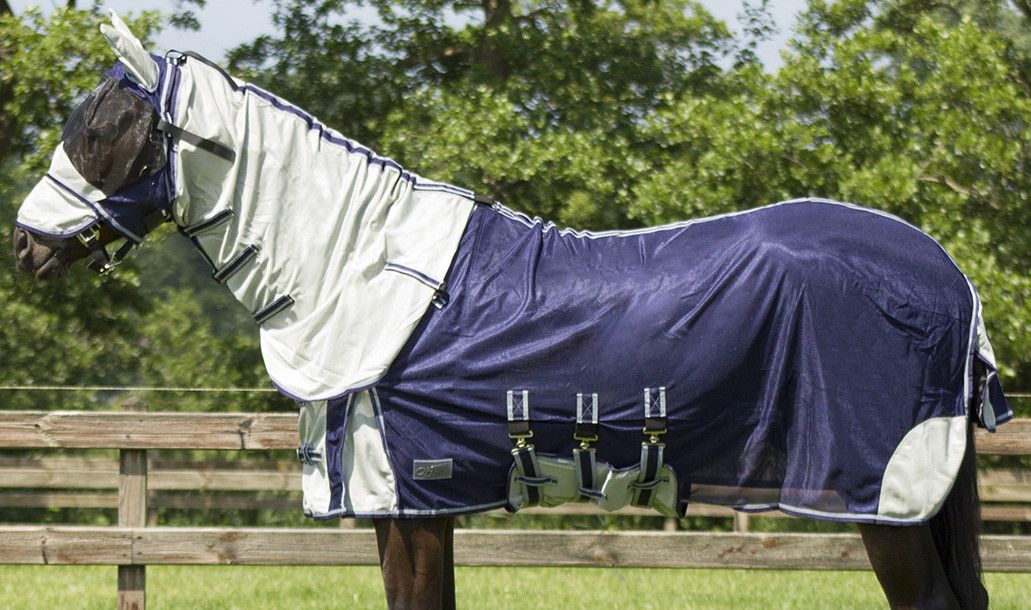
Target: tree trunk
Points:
x,y
492,60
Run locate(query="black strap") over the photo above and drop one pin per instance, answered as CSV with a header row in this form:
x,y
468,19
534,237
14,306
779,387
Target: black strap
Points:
x,y
308,454
267,312
154,219
651,465
99,259
484,200
210,223
235,264
584,457
522,451
518,428
526,464
213,147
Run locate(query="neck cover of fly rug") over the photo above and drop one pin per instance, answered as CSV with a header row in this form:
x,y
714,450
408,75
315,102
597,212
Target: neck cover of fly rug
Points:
x,y
336,252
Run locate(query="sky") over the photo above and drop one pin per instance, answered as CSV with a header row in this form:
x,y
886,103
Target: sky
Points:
x,y
226,23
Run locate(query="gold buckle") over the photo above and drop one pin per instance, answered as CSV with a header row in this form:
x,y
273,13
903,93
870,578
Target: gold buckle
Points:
x,y
90,235
653,435
585,441
520,440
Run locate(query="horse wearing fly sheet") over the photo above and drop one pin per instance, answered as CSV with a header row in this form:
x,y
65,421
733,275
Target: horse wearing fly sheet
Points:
x,y
452,356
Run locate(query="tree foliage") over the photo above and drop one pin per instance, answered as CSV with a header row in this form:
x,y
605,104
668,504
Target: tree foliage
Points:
x,y
596,113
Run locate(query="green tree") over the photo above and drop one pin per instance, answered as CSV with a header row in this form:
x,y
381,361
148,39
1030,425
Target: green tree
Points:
x,y
927,121
534,102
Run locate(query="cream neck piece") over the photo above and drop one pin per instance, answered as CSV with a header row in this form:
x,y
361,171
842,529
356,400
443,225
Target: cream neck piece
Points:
x,y
336,251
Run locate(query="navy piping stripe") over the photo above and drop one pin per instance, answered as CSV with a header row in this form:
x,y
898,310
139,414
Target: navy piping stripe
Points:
x,y
235,264
349,145
173,97
422,277
266,313
97,210
337,415
324,133
210,223
70,233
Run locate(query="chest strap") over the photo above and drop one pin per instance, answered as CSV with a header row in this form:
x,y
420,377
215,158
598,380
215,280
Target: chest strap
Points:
x,y
651,447
584,459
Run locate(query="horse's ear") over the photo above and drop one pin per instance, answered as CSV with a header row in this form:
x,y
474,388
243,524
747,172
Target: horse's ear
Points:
x,y
129,50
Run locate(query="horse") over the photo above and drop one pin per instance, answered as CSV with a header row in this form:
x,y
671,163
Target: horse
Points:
x,y
451,355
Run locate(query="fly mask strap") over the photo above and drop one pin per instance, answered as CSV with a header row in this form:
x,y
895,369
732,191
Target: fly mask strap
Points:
x,y
205,144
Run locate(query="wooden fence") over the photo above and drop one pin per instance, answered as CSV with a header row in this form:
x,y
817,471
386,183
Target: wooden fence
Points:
x,y
133,544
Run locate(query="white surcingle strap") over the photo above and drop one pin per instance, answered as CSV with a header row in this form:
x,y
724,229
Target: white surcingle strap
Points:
x,y
584,458
529,473
651,447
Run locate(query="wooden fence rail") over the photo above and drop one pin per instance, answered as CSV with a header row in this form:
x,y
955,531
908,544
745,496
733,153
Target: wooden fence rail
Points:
x,y
132,546
235,484
250,431
263,546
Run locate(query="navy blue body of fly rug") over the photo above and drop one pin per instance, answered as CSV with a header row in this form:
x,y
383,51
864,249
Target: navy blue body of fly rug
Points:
x,y
809,356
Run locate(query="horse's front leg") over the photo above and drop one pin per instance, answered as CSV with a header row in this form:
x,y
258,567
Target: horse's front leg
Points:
x,y
417,559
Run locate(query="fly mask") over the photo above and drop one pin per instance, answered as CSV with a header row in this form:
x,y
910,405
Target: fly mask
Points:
x,y
116,160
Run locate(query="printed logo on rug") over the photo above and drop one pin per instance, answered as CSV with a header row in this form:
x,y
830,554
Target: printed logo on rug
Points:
x,y
429,470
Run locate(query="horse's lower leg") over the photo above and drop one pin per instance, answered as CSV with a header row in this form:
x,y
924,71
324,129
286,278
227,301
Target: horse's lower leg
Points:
x,y
448,593
907,565
416,558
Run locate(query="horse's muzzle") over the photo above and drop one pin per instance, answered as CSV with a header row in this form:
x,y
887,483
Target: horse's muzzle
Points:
x,y
41,260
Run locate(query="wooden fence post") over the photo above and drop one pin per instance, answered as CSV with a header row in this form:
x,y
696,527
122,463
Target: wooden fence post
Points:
x,y
132,512
740,522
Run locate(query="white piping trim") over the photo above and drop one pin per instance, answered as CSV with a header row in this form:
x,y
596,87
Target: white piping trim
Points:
x,y
444,511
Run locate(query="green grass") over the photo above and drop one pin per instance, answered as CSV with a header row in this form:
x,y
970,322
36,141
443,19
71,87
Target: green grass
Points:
x,y
298,588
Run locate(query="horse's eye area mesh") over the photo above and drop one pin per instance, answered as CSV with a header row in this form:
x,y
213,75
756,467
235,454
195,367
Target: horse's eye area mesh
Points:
x,y
112,138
